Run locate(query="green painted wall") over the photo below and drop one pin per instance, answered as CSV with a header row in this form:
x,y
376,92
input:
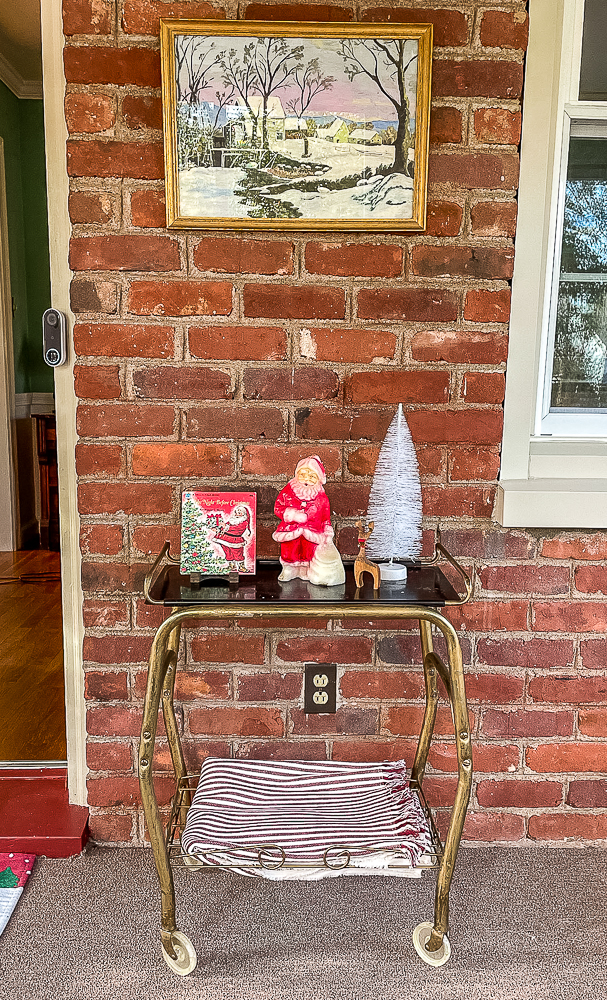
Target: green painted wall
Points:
x,y
22,130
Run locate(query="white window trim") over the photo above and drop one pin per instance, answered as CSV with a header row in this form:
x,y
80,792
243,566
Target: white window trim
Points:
x,y
545,482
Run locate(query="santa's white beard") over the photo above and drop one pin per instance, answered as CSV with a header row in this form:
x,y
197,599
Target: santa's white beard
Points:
x,y
304,492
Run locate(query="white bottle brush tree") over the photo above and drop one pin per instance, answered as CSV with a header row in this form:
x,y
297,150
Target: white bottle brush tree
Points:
x,y
395,503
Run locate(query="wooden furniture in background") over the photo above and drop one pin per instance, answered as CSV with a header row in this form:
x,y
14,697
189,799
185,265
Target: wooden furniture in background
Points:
x,y
46,438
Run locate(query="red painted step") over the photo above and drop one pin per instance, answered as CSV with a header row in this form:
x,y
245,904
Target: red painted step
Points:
x,y
36,816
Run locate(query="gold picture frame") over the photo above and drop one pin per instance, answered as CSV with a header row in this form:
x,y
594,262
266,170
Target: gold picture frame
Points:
x,y
296,126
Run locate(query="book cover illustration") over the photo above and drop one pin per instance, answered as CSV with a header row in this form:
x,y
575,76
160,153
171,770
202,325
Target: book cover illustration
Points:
x,y
218,529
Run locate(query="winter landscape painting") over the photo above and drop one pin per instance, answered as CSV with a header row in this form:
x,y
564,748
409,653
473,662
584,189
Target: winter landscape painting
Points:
x,y
296,125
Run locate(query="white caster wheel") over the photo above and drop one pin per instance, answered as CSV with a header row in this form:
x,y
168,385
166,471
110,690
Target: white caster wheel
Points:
x,y
421,935
192,862
186,956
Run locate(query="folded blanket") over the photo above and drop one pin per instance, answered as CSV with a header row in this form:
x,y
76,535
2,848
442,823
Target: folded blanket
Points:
x,y
331,817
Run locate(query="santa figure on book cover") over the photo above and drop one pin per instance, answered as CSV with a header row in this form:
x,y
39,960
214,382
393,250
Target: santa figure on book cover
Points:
x,y
305,533
234,534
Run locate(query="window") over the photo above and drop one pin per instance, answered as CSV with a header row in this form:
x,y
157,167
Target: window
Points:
x,y
554,460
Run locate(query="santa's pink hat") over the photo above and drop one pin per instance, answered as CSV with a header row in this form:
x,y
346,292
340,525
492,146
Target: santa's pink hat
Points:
x,y
314,463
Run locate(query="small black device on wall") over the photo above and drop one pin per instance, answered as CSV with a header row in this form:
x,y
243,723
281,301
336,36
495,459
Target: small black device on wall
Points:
x,y
53,337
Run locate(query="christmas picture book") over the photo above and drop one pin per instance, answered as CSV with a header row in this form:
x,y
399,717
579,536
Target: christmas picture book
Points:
x,y
218,532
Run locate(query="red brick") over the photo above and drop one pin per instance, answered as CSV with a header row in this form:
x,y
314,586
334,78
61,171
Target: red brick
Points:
x,y
95,296
150,538
497,125
123,791
92,208
124,340
87,17
111,577
504,30
406,720
477,78
525,579
294,301
488,543
126,498
439,791
591,579
241,256
569,690
495,171
113,720
533,652
483,387
125,253
487,307
493,827
563,826
137,67
238,343
191,685
347,499
101,539
179,298
297,12
90,112
456,501
488,758
98,459
112,756
105,685
402,648
125,420
141,17
344,649
373,750
587,794
338,345
270,687
460,346
150,616
142,112
382,684
445,125
304,382
148,209
444,218
97,158
105,614
507,725
493,218
117,648
362,462
237,721
346,720
347,259
451,27
288,749
519,794
238,423
111,828
210,648
593,722
342,425
464,262
180,459
417,305
585,547
496,689
393,387
593,654
566,616
471,465
100,382
455,426
269,460
172,382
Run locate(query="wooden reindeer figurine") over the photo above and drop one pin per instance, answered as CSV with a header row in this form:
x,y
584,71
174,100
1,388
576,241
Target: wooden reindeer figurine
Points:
x,y
362,564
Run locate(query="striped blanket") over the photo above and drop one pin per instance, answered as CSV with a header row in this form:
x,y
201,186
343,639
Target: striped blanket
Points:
x,y
325,817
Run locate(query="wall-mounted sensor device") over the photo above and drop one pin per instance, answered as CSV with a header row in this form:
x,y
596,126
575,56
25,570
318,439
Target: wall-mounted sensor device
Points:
x,y
53,337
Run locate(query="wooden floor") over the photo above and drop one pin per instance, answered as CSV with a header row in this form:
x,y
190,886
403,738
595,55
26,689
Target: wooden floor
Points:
x,y
32,705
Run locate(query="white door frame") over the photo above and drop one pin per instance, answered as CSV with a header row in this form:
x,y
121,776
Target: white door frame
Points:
x,y
8,494
65,398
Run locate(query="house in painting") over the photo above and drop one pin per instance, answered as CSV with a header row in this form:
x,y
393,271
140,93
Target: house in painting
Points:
x,y
365,137
275,117
337,131
296,128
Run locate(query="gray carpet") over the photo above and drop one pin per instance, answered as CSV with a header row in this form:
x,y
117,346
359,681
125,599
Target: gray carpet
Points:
x,y
526,924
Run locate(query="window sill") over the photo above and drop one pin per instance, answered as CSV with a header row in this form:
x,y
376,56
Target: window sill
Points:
x,y
552,503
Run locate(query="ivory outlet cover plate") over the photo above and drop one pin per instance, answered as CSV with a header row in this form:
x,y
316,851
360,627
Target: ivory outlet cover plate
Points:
x,y
320,688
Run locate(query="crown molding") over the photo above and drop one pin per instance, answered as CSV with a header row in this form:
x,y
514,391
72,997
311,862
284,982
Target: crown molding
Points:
x,y
30,90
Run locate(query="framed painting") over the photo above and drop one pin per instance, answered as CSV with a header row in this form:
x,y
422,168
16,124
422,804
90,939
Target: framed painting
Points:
x,y
296,125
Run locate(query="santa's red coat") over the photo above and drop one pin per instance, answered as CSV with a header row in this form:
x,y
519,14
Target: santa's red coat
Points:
x,y
232,540
298,541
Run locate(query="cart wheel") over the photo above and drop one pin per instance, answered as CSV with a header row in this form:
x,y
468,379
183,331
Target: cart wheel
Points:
x,y
186,956
421,935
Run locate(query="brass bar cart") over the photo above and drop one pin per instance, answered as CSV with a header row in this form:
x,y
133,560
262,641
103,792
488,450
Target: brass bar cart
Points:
x,y
262,597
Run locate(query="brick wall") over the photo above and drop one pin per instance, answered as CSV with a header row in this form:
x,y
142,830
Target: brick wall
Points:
x,y
212,360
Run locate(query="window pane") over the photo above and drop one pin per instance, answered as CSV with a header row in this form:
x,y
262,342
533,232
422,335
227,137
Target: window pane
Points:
x,y
579,374
593,76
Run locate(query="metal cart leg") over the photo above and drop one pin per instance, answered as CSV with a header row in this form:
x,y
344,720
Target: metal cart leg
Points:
x,y
425,736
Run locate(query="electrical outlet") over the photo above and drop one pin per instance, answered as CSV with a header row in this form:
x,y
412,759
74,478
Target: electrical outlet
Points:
x,y
320,688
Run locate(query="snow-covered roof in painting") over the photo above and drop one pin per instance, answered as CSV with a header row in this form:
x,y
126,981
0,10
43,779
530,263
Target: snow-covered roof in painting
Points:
x,y
295,124
363,134
333,127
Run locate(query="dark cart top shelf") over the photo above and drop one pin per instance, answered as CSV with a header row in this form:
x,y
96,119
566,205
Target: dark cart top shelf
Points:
x,y
425,585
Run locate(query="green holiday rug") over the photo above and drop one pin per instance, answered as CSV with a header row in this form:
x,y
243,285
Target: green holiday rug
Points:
x,y
15,869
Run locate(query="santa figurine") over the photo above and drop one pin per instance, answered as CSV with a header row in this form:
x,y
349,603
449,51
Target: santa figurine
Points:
x,y
305,534
234,534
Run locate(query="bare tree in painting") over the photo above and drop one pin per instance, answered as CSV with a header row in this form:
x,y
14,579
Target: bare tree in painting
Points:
x,y
309,82
195,61
276,63
385,61
240,75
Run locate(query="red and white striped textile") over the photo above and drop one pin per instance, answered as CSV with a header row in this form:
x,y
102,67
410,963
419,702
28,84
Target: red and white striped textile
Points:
x,y
302,808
